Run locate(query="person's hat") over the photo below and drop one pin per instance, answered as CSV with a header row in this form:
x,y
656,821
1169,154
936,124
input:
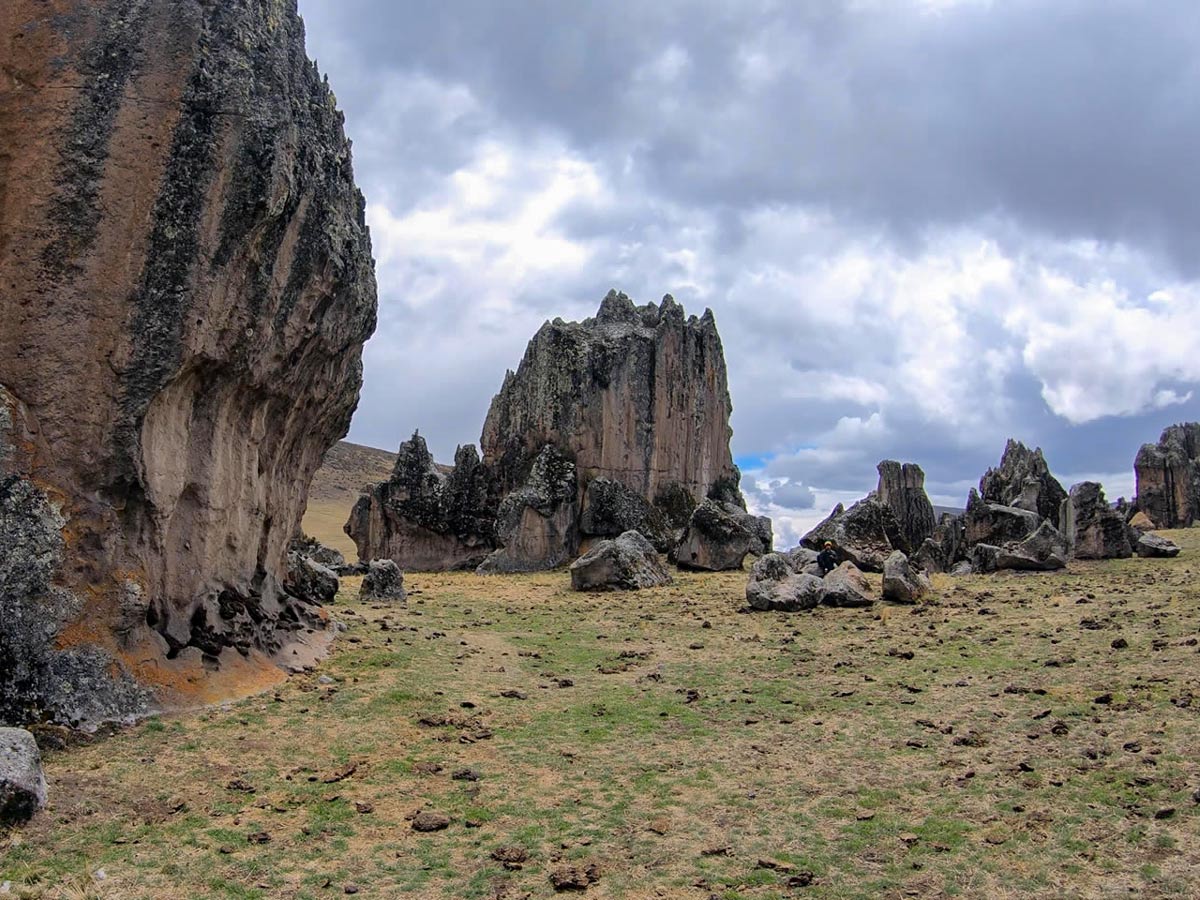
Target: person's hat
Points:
x,y
829,543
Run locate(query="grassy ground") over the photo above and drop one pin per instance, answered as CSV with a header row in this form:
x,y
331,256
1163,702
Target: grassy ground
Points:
x,y
324,520
992,743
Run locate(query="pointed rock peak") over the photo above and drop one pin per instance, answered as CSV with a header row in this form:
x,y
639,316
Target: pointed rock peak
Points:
x,y
617,307
670,309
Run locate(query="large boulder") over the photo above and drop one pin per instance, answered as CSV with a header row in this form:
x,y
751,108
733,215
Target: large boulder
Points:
x,y
902,489
1023,480
846,586
1139,521
626,563
1153,545
1043,551
865,534
425,518
22,784
902,581
537,526
774,584
1093,529
383,581
187,287
718,537
309,580
1168,477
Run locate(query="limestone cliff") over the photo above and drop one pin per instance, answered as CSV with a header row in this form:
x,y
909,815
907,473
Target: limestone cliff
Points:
x,y
1168,477
634,408
187,287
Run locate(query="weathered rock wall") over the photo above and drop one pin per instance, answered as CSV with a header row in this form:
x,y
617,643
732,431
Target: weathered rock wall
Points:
x,y
628,414
637,394
1168,477
187,287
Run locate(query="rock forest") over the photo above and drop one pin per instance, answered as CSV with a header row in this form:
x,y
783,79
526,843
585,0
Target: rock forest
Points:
x,y
572,659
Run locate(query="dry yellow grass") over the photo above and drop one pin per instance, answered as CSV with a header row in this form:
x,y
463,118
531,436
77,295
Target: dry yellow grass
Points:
x,y
992,743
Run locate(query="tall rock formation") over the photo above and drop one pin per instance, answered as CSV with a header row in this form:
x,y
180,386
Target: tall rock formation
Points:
x,y
902,489
1093,529
615,423
187,287
1023,481
1168,477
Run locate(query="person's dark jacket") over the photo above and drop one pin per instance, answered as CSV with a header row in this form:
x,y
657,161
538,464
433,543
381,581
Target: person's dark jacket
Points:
x,y
827,561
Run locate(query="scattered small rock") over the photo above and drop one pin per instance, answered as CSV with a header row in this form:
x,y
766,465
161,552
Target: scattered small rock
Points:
x,y
430,821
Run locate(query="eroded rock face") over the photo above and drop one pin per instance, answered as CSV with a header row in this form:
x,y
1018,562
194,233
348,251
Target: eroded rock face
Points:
x,y
1093,529
995,523
188,284
635,400
430,519
1023,481
902,489
1168,477
1044,550
719,537
627,563
537,525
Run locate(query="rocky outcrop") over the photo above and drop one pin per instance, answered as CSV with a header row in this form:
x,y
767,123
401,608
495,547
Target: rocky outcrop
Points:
x,y
610,508
865,534
776,584
902,581
187,287
1024,481
537,525
627,563
902,489
1093,529
987,522
945,547
310,581
22,784
424,517
1043,551
1168,477
383,581
635,400
720,536
317,552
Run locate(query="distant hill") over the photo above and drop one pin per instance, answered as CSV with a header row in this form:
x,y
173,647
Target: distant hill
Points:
x,y
335,488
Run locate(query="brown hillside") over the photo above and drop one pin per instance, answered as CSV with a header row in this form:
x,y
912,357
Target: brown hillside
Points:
x,y
335,487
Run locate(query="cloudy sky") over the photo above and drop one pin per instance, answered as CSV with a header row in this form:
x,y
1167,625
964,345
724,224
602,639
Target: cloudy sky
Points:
x,y
924,226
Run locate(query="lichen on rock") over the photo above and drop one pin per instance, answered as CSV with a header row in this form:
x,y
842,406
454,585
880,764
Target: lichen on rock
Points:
x,y
195,250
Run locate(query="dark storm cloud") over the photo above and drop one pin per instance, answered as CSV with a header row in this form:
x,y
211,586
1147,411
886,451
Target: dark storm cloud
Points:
x,y
923,226
1077,118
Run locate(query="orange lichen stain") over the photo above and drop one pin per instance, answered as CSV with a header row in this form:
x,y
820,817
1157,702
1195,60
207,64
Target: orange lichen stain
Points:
x,y
187,682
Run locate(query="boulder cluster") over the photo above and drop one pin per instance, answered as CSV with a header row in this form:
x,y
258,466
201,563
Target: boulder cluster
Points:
x,y
615,424
1020,518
